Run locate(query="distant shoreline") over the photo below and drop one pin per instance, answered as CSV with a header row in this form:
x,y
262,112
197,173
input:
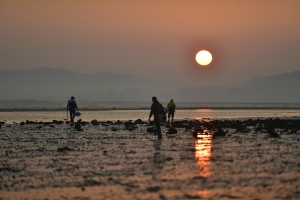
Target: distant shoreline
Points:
x,y
120,109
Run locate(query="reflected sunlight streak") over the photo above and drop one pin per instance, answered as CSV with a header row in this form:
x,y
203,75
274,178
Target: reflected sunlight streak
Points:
x,y
203,146
203,153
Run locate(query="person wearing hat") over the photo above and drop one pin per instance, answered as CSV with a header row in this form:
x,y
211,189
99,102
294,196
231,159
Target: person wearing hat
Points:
x,y
156,109
72,107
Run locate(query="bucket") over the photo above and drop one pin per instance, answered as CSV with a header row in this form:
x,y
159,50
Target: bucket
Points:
x,y
77,114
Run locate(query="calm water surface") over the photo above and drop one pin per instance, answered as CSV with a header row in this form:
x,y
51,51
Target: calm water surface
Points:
x,y
10,117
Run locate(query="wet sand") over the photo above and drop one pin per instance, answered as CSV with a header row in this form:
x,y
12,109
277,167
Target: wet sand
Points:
x,y
110,161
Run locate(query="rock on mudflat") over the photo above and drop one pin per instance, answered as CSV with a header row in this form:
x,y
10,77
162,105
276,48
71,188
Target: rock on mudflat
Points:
x,y
78,127
172,130
64,149
220,132
153,189
150,130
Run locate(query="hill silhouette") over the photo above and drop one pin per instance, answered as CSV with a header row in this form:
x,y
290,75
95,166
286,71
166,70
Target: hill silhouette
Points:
x,y
281,88
58,84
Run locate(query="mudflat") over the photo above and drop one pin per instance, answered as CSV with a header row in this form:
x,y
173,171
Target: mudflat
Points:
x,y
112,161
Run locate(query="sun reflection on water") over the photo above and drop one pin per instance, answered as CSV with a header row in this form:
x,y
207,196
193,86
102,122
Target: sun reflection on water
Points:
x,y
203,153
203,146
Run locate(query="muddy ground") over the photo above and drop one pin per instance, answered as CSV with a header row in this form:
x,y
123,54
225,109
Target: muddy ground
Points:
x,y
108,161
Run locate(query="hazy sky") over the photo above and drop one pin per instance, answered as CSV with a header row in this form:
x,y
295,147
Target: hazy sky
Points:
x,y
156,39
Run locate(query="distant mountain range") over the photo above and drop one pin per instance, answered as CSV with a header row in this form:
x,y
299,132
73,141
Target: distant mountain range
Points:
x,y
58,84
281,88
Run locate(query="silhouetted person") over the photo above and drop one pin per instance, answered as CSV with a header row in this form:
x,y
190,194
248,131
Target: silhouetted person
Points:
x,y
171,109
156,109
72,107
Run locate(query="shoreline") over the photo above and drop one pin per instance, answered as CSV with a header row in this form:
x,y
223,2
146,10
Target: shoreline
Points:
x,y
121,109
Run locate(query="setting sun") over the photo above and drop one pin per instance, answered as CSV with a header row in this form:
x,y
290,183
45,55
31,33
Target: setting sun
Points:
x,y
203,57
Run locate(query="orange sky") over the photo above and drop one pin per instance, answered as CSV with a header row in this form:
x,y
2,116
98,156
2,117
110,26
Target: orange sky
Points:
x,y
153,39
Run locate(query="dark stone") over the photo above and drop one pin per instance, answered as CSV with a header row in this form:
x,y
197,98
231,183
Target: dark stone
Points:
x,y
293,131
129,123
130,128
172,130
63,149
78,127
153,189
83,123
220,132
272,133
22,123
192,196
139,121
169,159
95,122
150,130
118,122
180,124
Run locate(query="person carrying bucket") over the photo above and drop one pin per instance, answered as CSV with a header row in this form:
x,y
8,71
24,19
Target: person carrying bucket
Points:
x,y
72,107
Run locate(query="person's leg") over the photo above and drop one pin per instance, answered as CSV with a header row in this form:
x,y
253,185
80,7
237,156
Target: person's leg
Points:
x,y
169,116
172,116
72,116
158,130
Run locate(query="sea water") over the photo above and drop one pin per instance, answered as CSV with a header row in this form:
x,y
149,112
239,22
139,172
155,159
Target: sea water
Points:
x,y
139,105
124,115
18,111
